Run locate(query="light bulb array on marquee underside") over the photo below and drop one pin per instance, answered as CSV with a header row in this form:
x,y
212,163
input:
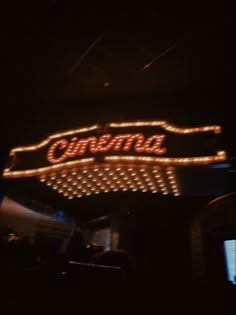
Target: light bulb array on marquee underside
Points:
x,y
104,178
7,173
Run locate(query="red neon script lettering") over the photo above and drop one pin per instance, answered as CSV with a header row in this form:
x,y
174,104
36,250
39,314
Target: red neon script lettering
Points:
x,y
104,143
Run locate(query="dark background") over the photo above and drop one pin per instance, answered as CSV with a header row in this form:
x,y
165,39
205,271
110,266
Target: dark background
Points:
x,y
52,81
58,56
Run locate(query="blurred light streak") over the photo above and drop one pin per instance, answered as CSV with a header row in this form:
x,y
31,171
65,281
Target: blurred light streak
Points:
x,y
87,51
159,56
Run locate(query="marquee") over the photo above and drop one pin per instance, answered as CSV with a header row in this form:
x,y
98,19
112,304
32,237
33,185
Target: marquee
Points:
x,y
137,156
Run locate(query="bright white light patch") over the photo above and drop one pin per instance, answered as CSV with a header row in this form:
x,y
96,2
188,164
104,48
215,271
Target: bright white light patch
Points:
x,y
230,258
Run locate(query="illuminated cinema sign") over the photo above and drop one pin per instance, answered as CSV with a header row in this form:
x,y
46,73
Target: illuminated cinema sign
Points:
x,y
137,155
150,141
105,143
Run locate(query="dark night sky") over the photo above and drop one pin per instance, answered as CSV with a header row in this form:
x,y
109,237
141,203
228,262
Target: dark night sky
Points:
x,y
53,81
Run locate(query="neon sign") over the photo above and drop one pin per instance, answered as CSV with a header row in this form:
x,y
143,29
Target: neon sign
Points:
x,y
146,142
105,143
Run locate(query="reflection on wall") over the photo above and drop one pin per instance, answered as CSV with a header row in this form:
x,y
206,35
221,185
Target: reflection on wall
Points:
x,y
102,237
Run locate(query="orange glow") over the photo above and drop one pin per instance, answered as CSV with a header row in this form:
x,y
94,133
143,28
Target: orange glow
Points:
x,y
105,143
76,147
42,170
202,160
123,178
54,136
165,125
172,181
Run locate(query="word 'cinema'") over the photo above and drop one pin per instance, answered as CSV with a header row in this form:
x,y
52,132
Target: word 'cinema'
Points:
x,y
63,149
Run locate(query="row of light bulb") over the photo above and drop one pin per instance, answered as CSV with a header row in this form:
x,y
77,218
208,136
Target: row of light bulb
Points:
x,y
163,124
166,126
105,178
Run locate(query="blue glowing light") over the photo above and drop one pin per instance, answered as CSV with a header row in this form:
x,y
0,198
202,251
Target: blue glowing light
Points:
x,y
230,258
